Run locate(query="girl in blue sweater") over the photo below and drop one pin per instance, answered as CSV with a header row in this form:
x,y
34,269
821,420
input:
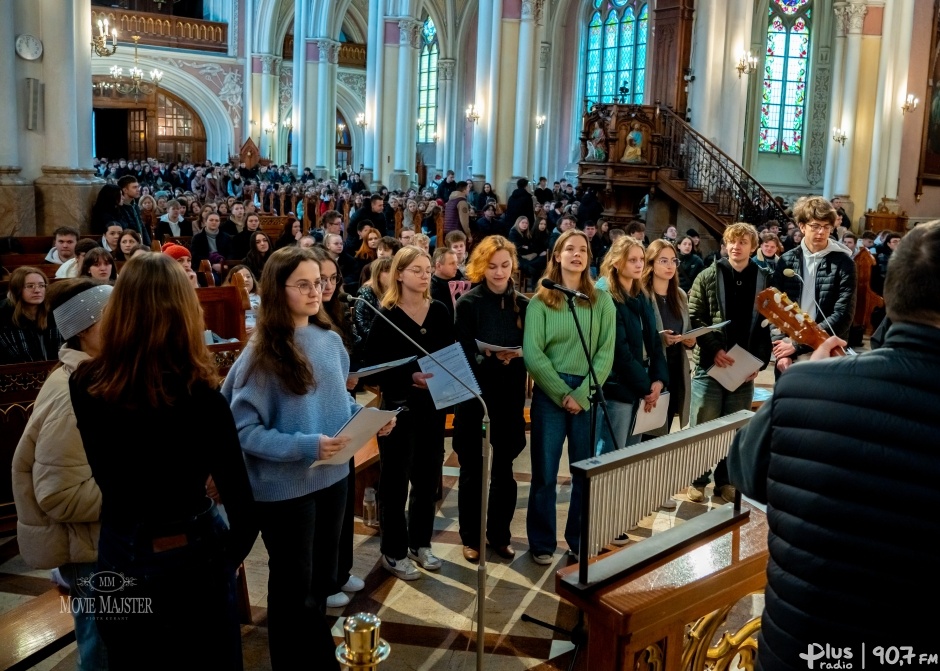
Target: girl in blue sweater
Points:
x,y
288,395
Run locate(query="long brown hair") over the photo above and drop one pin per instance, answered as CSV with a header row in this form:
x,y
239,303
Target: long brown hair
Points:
x,y
337,308
273,339
553,298
672,291
613,262
15,294
152,338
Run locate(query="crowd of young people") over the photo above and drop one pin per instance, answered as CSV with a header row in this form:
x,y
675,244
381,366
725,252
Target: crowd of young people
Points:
x,y
307,342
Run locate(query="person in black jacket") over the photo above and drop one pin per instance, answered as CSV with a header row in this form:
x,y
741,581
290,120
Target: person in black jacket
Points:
x,y
210,240
492,312
130,213
823,275
107,209
520,203
639,373
828,480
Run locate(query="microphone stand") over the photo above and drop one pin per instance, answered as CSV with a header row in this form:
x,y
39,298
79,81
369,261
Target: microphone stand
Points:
x,y
484,487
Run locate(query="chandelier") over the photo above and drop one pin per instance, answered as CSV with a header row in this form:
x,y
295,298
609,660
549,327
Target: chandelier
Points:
x,y
136,86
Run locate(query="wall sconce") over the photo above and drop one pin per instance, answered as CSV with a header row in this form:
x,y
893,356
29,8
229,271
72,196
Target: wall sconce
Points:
x,y
253,122
839,136
420,124
910,104
99,43
361,120
473,114
435,136
747,64
270,127
287,124
539,121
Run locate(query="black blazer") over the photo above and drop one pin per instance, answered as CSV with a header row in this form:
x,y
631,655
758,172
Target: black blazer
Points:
x,y
199,247
164,232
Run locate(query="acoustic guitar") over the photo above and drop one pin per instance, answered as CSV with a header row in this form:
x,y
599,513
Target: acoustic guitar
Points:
x,y
790,318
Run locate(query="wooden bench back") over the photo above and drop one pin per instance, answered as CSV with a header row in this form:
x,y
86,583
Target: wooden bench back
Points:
x,y
41,244
223,310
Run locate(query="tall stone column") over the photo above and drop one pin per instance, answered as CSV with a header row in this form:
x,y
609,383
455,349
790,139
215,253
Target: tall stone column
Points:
x,y
17,207
270,113
542,134
406,108
445,151
491,114
525,114
901,64
835,100
67,188
855,12
328,57
478,129
375,60
299,129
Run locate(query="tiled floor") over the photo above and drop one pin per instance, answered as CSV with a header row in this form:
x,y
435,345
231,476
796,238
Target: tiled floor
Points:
x,y
430,623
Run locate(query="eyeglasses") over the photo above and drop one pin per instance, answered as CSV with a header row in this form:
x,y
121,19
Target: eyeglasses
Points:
x,y
306,287
331,279
816,228
419,272
667,262
31,286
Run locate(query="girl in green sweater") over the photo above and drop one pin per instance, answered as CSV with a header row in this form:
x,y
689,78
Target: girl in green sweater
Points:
x,y
560,402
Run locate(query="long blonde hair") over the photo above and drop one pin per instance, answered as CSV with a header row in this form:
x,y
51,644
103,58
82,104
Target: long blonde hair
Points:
x,y
403,258
553,298
672,291
613,262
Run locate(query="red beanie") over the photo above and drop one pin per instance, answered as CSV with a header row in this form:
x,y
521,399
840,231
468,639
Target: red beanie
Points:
x,y
175,251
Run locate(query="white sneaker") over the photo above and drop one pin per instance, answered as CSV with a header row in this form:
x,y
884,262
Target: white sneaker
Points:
x,y
337,600
543,558
354,584
425,559
621,540
401,568
574,555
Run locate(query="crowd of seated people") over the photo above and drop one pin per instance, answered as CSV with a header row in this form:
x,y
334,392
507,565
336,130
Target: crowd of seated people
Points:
x,y
463,289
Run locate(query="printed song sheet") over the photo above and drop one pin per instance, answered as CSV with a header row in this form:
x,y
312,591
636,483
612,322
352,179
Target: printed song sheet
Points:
x,y
360,429
445,390
733,376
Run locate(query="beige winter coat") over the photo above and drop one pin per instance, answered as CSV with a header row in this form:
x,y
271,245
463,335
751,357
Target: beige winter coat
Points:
x,y
57,500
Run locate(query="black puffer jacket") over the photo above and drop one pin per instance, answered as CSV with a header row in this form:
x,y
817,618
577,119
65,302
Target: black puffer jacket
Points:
x,y
835,289
846,456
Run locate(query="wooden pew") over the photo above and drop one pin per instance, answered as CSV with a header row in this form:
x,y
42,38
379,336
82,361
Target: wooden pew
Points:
x,y
34,630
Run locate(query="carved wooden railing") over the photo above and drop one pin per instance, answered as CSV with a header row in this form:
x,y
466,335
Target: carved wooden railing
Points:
x,y
161,30
352,55
706,168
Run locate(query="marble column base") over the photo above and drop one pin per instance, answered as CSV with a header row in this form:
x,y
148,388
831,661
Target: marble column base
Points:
x,y
320,172
64,197
399,180
17,203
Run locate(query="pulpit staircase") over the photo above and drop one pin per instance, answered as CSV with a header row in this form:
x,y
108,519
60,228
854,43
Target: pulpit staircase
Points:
x,y
706,181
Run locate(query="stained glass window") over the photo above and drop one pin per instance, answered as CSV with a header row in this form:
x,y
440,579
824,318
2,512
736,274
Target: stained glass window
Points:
x,y
427,83
615,67
783,101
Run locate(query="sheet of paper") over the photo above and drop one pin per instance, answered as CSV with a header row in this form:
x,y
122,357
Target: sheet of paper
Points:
x,y
378,368
360,429
695,333
445,387
483,346
733,376
654,419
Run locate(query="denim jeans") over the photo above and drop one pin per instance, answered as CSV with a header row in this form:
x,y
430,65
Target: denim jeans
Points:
x,y
710,401
92,654
621,418
551,424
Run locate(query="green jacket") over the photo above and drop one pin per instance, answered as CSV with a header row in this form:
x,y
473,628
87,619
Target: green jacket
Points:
x,y
707,307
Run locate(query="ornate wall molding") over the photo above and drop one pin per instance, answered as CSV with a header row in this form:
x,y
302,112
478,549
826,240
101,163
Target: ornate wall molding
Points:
x,y
225,83
446,68
354,82
841,18
819,128
285,91
545,54
855,16
269,64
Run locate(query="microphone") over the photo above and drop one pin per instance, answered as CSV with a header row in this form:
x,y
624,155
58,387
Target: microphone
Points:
x,y
571,293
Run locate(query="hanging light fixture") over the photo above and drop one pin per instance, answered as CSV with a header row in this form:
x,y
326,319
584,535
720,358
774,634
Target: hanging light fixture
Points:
x,y
99,43
136,86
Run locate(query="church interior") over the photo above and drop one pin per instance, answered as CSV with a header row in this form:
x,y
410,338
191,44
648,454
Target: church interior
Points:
x,y
692,114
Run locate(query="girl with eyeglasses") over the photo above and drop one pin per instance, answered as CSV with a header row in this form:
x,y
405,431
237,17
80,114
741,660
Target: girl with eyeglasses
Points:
x,y
661,280
27,328
414,453
288,395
